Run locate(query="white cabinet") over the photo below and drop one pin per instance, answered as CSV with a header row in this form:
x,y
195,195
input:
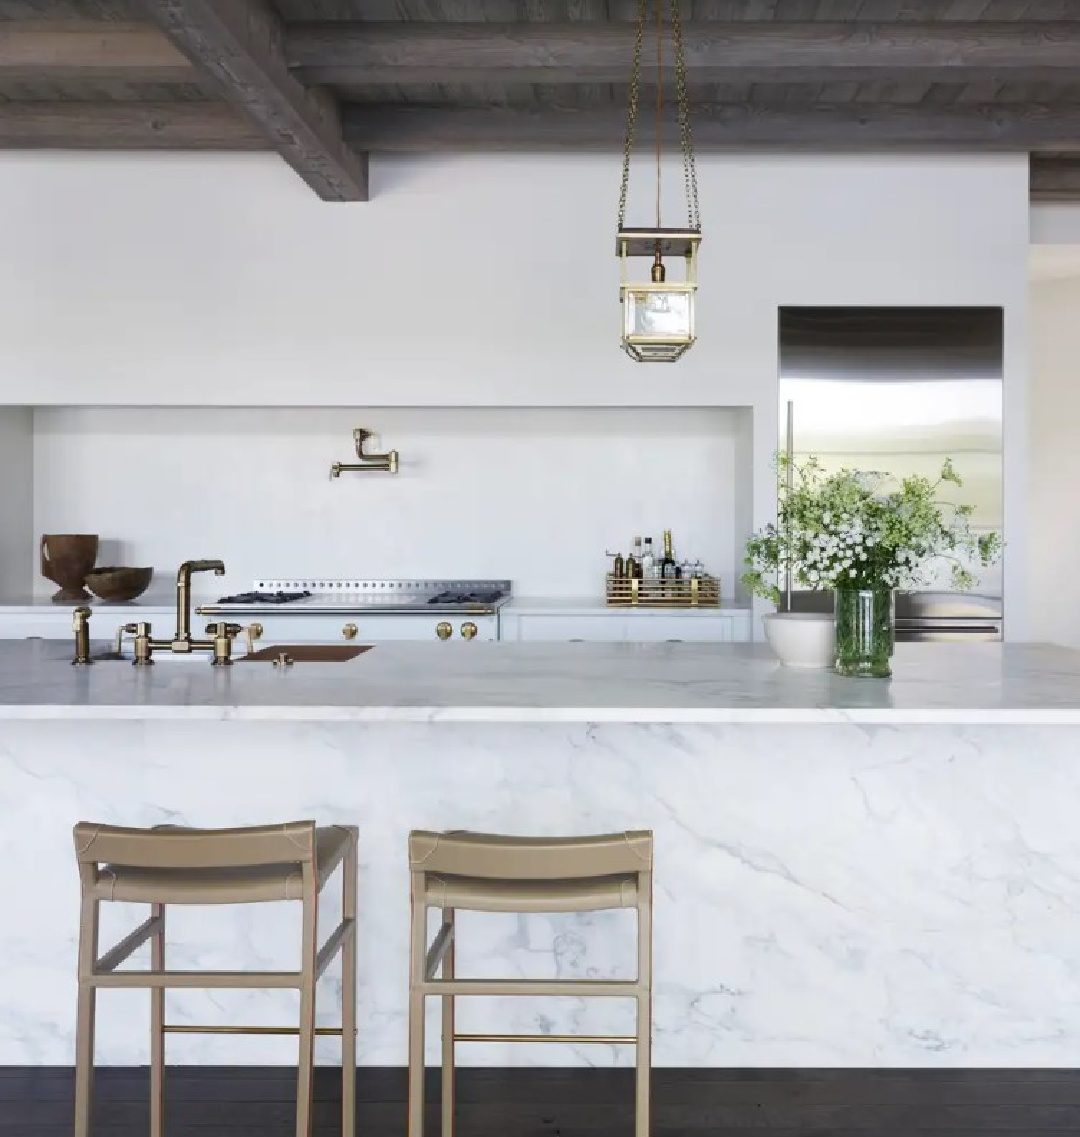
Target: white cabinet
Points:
x,y
26,622
607,625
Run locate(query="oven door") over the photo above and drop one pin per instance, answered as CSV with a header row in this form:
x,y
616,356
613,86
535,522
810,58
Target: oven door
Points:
x,y
358,627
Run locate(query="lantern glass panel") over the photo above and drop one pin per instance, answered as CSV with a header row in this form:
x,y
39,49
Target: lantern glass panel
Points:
x,y
659,314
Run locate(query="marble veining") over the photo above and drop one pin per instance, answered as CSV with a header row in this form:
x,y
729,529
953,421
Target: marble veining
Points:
x,y
844,894
685,683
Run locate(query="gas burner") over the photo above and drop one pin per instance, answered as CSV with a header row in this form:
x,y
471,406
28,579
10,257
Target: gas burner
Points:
x,y
478,596
264,597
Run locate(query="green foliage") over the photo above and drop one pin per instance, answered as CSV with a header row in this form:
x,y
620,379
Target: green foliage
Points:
x,y
843,529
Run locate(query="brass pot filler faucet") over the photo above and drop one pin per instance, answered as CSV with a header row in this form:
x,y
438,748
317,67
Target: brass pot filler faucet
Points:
x,y
387,462
182,642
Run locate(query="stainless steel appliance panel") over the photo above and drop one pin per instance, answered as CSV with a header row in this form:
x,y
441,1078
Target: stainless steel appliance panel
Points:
x,y
896,391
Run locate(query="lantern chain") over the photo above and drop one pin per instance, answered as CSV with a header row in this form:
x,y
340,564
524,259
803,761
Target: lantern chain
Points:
x,y
685,136
632,108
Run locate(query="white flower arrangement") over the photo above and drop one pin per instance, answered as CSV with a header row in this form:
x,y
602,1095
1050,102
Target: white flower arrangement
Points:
x,y
843,530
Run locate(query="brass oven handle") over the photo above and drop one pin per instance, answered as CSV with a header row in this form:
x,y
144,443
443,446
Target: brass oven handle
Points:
x,y
444,630
350,631
469,630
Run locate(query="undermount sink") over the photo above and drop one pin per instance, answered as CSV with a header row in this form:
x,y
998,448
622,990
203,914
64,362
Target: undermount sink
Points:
x,y
307,653
167,657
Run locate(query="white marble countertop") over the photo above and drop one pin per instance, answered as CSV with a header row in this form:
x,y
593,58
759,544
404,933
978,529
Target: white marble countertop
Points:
x,y
574,683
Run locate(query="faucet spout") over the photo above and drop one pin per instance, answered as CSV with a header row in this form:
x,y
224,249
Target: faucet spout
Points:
x,y
182,639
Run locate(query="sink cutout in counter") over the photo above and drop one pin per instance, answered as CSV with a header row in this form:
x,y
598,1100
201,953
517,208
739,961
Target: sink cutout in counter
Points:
x,y
307,653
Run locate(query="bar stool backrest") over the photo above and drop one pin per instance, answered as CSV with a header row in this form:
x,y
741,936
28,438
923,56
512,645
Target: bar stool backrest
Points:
x,y
177,847
462,853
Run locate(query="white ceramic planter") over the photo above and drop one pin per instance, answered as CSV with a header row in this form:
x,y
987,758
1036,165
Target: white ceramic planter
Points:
x,y
801,639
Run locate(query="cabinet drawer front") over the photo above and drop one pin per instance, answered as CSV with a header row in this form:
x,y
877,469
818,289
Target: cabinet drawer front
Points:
x,y
564,629
689,629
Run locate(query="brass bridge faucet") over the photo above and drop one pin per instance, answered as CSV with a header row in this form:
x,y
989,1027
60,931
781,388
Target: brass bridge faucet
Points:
x,y
182,642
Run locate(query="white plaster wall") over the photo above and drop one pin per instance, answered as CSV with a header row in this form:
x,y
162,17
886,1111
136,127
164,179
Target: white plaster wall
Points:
x,y
18,544
535,495
1055,460
480,280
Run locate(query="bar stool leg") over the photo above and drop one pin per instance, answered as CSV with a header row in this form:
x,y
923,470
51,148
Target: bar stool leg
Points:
x,y
306,1059
157,1029
643,1072
448,1071
417,967
348,999
84,1034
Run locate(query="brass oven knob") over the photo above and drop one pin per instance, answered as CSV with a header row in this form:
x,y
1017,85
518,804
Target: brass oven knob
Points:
x,y
469,630
444,631
253,632
350,631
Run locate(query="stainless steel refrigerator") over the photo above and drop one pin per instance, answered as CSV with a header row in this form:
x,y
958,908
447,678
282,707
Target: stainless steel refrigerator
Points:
x,y
896,391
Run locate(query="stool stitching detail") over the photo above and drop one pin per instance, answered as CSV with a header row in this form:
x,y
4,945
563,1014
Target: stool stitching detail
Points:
x,y
93,838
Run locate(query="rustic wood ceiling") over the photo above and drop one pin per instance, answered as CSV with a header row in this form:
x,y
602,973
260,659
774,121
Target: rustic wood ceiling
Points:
x,y
325,82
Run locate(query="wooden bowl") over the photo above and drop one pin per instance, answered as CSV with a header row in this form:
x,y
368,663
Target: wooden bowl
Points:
x,y
119,583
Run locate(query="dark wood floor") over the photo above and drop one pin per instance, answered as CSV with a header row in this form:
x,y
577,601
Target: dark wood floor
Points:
x,y
231,1102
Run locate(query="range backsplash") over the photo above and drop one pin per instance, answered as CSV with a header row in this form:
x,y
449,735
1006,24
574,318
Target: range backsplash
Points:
x,y
536,495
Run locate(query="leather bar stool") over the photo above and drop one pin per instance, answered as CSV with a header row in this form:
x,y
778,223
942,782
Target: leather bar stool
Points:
x,y
173,865
490,873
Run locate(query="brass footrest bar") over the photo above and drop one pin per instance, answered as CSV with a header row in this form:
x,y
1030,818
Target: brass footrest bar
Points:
x,y
207,980
574,988
611,1039
189,1029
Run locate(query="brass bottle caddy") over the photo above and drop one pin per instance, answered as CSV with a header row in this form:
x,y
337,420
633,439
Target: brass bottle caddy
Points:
x,y
635,592
645,580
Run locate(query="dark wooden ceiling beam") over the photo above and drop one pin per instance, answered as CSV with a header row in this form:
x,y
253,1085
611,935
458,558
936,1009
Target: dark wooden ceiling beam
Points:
x,y
414,128
721,52
32,50
126,126
1055,179
239,44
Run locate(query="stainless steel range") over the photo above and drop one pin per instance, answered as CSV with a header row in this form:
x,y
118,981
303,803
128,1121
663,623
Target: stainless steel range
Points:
x,y
311,609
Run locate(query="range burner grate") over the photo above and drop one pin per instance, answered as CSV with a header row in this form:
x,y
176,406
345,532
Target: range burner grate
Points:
x,y
466,597
264,597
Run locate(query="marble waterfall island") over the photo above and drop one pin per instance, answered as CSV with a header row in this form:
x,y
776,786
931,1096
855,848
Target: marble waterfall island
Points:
x,y
849,873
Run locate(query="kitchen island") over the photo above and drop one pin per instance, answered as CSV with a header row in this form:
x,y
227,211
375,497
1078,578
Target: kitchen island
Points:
x,y
849,872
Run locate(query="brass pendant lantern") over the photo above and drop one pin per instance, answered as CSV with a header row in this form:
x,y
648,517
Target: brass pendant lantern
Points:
x,y
658,314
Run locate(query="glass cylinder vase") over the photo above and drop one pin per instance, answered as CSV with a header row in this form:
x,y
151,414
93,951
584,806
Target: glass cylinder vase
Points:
x,y
864,632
